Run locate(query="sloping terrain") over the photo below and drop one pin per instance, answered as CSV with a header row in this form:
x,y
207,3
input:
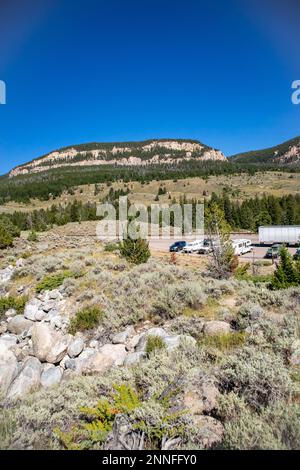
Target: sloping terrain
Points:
x,y
287,153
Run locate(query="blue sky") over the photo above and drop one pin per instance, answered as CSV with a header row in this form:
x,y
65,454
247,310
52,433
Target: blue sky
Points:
x,y
86,70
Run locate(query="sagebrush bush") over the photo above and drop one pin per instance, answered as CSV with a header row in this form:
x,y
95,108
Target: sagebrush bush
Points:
x,y
260,377
247,314
276,427
172,299
85,319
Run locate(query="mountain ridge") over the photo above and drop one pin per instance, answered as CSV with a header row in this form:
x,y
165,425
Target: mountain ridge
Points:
x,y
286,153
147,152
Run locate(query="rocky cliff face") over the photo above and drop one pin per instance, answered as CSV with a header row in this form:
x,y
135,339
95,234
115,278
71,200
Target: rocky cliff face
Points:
x,y
124,154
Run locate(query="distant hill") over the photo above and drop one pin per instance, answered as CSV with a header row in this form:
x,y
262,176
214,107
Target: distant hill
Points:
x,y
287,153
145,153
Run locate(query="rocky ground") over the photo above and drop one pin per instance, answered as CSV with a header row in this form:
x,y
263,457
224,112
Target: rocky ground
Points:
x,y
175,359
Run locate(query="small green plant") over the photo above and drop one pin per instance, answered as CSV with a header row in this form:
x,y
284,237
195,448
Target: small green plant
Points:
x,y
287,272
135,251
98,421
85,319
224,342
32,237
53,281
6,238
18,303
111,247
154,343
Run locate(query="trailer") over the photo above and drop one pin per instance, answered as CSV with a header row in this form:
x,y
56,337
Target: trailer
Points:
x,y
287,234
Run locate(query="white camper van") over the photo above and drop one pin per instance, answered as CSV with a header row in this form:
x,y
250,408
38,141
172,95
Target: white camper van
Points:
x,y
242,246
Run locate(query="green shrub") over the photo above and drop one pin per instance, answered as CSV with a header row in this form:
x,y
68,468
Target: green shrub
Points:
x,y
111,247
18,303
6,239
85,319
224,342
98,421
32,237
154,343
53,281
135,251
173,299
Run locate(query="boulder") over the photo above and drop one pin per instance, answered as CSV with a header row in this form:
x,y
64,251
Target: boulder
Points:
x,y
173,342
19,324
27,381
216,327
48,345
6,274
31,309
10,313
51,376
201,399
8,368
90,362
134,358
210,431
121,338
141,345
75,347
115,352
8,341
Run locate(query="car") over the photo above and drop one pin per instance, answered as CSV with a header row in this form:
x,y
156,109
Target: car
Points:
x,y
193,247
274,251
207,246
297,254
177,246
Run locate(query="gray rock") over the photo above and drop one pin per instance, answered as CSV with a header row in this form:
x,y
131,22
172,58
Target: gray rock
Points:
x,y
19,324
115,352
51,376
93,344
121,338
134,358
6,274
141,345
40,315
210,431
8,341
8,368
48,345
31,309
203,399
216,327
75,347
56,322
27,381
10,313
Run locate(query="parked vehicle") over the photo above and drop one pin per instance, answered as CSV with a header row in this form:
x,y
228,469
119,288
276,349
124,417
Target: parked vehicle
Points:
x,y
177,246
297,254
193,247
287,234
208,246
273,251
242,246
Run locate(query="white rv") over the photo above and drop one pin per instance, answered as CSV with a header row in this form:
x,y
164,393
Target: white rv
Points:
x,y
242,246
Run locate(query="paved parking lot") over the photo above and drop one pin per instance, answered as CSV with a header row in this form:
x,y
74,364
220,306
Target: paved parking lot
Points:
x,y
258,252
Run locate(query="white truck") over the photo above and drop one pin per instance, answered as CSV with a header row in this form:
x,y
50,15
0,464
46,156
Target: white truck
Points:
x,y
287,234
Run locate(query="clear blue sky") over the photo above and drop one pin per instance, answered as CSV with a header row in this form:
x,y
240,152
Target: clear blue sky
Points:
x,y
86,70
